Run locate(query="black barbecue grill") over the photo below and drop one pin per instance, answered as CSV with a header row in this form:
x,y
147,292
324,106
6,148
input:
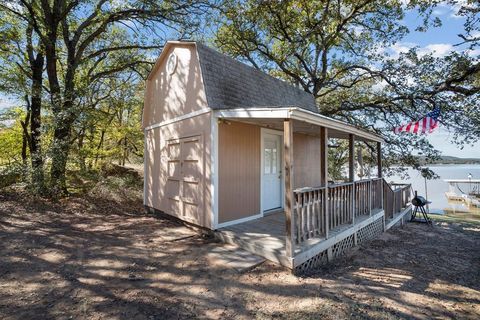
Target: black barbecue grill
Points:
x,y
419,203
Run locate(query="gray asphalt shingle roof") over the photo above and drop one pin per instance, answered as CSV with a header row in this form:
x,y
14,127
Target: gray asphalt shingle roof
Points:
x,y
232,84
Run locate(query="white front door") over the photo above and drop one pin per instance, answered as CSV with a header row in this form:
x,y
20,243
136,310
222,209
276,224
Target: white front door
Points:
x,y
271,172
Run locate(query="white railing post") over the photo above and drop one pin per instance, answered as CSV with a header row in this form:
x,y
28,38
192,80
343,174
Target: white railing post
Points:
x,y
353,196
370,195
327,212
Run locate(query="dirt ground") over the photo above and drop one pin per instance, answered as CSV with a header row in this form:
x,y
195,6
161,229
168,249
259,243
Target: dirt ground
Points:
x,y
89,258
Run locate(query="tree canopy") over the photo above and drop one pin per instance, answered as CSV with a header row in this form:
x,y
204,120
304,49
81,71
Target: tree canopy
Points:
x,y
336,50
73,57
76,69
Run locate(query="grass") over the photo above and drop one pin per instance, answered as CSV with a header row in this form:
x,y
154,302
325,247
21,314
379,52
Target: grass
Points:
x,y
463,218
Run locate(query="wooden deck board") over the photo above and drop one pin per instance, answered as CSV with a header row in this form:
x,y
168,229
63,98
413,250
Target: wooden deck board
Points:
x,y
266,236
267,232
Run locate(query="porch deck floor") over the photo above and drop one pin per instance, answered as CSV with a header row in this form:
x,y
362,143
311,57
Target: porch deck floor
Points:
x,y
266,236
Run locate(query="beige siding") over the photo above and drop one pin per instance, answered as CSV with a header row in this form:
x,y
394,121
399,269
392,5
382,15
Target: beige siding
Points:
x,y
239,168
171,95
306,160
177,169
239,171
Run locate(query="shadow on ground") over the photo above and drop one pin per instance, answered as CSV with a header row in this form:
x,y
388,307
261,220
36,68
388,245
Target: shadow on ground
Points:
x,y
85,258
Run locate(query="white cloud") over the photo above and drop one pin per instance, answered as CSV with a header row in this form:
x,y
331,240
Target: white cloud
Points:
x,y
5,104
475,53
8,102
450,9
400,47
379,86
455,8
440,11
438,50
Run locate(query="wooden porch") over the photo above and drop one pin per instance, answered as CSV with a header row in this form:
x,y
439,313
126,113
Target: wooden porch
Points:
x,y
323,218
322,222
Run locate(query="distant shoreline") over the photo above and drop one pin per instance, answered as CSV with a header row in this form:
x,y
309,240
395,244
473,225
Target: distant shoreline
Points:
x,y
449,160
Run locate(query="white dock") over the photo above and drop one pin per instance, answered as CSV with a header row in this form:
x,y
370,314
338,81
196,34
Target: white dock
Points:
x,y
470,196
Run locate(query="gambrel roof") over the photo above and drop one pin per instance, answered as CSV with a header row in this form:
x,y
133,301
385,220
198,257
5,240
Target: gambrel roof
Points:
x,y
231,84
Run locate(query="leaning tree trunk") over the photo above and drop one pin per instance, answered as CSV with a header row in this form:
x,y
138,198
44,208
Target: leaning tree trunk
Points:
x,y
26,143
33,136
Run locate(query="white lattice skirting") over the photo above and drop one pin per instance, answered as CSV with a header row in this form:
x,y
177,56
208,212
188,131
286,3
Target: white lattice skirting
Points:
x,y
363,234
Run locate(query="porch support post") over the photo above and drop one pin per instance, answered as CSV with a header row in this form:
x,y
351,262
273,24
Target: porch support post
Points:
x,y
379,174
323,156
351,157
324,174
379,159
289,200
351,172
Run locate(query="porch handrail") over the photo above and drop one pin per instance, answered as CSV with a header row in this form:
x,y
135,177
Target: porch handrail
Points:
x,y
340,184
305,189
364,180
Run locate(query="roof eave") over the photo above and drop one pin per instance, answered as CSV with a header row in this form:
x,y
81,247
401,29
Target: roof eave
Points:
x,y
318,119
299,114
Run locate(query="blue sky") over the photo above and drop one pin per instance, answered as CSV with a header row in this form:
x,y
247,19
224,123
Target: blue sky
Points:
x,y
438,41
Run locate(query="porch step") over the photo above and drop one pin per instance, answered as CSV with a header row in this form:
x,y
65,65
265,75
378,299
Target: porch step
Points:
x,y
268,249
233,257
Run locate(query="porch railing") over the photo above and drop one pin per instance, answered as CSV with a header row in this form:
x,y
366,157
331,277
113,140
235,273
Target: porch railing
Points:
x,y
363,197
397,198
316,211
310,219
377,194
341,210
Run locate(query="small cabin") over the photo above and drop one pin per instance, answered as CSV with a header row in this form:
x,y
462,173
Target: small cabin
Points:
x,y
233,150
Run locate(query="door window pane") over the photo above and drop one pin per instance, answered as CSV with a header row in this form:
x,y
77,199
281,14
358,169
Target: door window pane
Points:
x,y
268,161
274,161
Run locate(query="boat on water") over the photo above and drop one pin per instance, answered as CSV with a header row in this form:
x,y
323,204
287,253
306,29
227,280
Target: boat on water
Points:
x,y
469,191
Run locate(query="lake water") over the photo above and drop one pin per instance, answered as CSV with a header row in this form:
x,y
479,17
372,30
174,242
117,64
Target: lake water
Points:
x,y
437,188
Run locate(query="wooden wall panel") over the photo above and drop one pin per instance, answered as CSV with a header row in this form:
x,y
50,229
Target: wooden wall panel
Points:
x,y
306,161
172,95
160,164
239,171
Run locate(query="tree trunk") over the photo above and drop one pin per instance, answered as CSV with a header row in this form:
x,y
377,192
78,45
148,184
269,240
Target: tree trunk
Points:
x,y
99,147
125,150
34,107
26,142
82,160
64,113
60,150
24,150
38,179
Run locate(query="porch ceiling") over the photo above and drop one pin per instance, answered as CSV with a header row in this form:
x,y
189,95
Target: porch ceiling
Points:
x,y
304,122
